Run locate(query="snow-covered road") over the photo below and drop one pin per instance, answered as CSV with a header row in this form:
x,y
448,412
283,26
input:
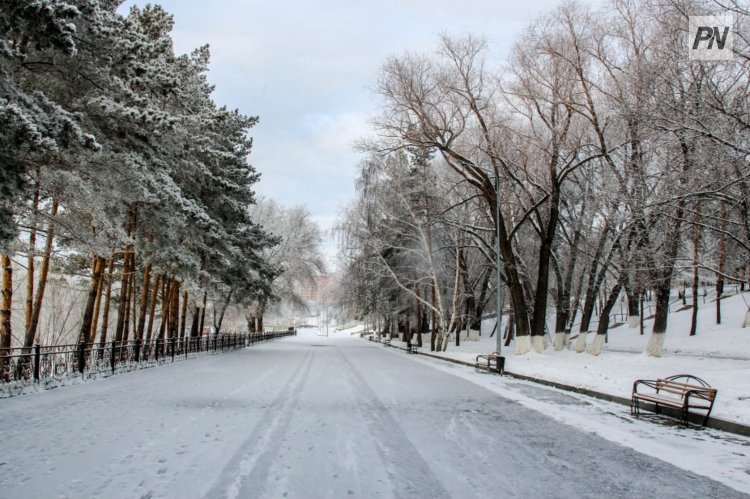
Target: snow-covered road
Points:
x,y
311,417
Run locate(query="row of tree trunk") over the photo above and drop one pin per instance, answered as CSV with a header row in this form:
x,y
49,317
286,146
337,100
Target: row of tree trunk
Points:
x,y
140,301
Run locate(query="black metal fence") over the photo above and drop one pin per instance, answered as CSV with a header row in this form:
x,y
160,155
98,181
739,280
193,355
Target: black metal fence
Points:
x,y
51,364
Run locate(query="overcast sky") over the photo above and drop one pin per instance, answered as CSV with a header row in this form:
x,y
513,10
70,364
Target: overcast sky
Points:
x,y
307,69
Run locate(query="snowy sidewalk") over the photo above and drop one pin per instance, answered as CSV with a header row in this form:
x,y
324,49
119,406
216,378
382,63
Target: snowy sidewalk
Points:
x,y
717,454
613,374
718,354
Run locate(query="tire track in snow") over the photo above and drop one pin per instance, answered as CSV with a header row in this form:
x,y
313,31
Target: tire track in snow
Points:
x,y
246,472
406,468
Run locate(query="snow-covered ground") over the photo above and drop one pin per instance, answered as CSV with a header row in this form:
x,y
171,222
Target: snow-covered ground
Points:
x,y
337,416
720,355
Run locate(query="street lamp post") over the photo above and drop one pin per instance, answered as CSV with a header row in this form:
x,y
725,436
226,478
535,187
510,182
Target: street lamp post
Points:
x,y
498,285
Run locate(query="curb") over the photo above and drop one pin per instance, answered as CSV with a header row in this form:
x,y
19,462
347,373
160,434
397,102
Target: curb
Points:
x,y
715,423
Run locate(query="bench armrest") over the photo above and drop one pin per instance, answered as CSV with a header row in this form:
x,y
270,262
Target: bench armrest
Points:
x,y
708,394
651,383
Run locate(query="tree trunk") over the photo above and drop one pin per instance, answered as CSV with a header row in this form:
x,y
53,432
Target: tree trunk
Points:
x,y
184,314
473,310
509,329
662,290
165,308
722,260
197,319
152,307
656,342
457,295
575,304
31,260
596,276
481,300
539,321
107,301
666,270
85,335
562,331
145,293
6,334
386,329
130,300
174,312
43,273
421,319
97,308
217,324
510,268
122,308
696,276
203,314
633,302
433,324
562,307
407,331
603,326
135,306
640,305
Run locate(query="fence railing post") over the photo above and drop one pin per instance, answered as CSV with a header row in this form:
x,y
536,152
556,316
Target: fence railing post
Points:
x,y
37,362
113,356
81,357
173,344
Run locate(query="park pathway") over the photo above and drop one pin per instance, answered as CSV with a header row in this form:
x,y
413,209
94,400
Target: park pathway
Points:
x,y
308,417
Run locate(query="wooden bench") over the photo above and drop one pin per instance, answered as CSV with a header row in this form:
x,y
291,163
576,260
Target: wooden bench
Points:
x,y
682,392
386,341
411,348
492,362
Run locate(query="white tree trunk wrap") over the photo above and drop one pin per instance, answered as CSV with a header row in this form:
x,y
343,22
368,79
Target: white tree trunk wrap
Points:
x,y
559,341
655,345
596,346
746,322
633,321
581,342
523,344
538,342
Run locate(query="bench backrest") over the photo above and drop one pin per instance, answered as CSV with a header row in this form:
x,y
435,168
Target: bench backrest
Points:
x,y
680,389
